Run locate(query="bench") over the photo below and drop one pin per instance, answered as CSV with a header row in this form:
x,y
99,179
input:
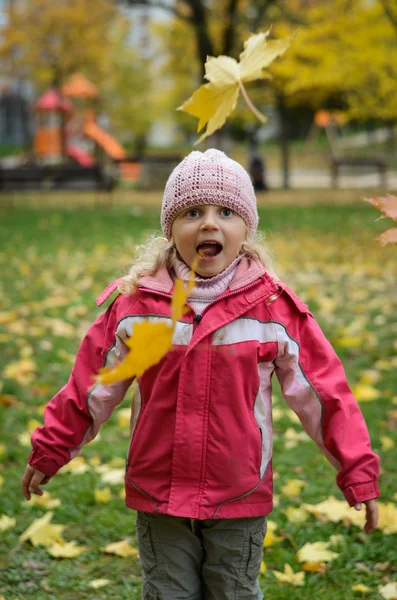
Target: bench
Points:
x,y
365,161
151,171
54,177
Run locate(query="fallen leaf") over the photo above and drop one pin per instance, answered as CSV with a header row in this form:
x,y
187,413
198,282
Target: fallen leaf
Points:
x,y
289,576
316,552
98,583
66,549
388,591
114,476
7,522
360,587
365,393
296,515
387,443
44,501
293,487
123,549
41,533
102,496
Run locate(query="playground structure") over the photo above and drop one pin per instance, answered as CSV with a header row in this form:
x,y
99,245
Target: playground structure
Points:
x,y
66,133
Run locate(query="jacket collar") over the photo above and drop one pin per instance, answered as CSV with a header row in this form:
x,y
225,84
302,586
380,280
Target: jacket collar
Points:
x,y
248,271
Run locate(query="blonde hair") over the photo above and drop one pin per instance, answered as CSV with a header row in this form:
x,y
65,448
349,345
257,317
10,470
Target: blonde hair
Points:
x,y
156,252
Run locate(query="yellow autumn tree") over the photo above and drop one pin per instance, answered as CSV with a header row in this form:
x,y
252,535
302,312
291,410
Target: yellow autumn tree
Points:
x,y
48,41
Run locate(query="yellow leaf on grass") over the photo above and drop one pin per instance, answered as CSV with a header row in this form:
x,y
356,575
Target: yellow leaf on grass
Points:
x,y
123,549
263,568
33,424
98,583
213,102
270,537
293,487
102,496
124,417
296,515
44,501
24,438
360,587
388,591
7,522
42,533
113,476
387,443
77,466
289,576
149,341
66,549
365,393
317,552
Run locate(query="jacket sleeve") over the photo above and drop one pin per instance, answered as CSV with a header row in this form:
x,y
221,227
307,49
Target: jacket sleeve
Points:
x,y
74,415
314,384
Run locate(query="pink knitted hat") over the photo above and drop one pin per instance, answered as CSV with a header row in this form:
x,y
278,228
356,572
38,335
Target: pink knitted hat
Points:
x,y
209,178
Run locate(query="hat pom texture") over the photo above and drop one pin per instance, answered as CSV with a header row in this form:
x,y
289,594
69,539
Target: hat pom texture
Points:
x,y
209,177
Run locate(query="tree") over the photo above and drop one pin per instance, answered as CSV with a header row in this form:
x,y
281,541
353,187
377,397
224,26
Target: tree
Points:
x,y
49,41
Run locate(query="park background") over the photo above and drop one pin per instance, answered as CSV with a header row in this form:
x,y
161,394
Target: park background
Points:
x,y
109,82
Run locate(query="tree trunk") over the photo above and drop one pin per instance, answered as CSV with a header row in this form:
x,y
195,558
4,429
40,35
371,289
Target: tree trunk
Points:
x,y
284,139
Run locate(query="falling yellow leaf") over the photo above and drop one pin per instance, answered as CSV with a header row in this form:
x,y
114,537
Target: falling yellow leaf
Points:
x,y
7,522
289,576
213,102
123,549
66,549
360,587
102,496
44,501
293,487
149,342
98,583
42,533
388,591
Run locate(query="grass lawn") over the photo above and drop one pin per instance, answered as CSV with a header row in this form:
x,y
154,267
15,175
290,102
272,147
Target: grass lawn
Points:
x,y
56,255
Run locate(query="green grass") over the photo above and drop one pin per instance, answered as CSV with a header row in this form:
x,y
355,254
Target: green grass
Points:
x,y
70,251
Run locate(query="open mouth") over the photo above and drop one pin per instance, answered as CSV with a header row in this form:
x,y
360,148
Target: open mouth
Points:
x,y
209,250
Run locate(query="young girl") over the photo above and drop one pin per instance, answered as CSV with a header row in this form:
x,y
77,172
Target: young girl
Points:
x,y
199,468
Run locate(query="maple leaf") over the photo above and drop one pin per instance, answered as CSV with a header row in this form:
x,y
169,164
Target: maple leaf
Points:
x,y
387,237
360,587
293,487
213,102
123,549
149,341
388,591
44,501
316,553
42,533
7,522
66,549
386,204
289,576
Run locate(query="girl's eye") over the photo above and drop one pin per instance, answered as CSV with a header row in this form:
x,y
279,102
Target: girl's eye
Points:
x,y
192,213
227,212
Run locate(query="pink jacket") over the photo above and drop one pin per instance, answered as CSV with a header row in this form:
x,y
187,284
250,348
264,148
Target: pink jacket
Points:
x,y
201,426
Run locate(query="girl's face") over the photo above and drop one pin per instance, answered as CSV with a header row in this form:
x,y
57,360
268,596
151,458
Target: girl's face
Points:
x,y
210,234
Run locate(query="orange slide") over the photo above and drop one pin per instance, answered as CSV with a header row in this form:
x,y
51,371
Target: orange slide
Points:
x,y
110,145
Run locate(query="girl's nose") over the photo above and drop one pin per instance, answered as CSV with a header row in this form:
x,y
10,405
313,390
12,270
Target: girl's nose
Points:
x,y
209,221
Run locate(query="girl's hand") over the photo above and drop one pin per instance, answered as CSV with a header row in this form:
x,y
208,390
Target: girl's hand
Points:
x,y
371,516
31,481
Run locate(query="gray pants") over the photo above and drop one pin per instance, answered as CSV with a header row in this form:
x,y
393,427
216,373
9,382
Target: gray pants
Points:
x,y
213,559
